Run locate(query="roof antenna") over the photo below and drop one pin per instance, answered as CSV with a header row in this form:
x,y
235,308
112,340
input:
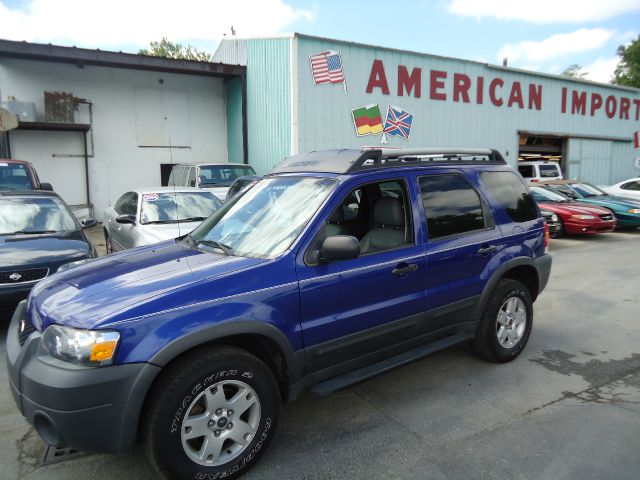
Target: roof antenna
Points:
x,y
504,61
233,31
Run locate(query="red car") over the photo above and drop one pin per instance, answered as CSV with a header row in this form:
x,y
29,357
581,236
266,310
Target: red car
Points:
x,y
575,218
20,175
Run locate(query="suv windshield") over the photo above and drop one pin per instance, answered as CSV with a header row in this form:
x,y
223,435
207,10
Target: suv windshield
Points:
x,y
267,219
177,207
14,176
547,171
34,215
223,175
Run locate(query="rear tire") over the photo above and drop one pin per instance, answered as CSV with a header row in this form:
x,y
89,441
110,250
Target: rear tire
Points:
x,y
211,415
506,322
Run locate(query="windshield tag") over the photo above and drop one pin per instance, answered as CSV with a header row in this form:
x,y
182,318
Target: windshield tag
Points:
x,y
150,197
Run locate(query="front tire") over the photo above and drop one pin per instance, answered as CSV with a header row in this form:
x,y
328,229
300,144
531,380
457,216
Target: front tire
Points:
x,y
211,415
506,323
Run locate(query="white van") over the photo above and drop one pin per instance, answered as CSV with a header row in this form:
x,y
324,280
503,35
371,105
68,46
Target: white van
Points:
x,y
537,171
216,177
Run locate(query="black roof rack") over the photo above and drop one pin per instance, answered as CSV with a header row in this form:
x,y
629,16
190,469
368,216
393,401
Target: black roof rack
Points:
x,y
370,158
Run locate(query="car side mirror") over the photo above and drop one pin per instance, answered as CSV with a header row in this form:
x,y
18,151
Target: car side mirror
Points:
x,y
88,222
339,247
46,186
126,219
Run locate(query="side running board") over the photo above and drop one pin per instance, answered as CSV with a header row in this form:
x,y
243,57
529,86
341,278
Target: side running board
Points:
x,y
351,378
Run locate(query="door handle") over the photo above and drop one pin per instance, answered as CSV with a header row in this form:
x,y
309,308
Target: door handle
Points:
x,y
488,250
404,268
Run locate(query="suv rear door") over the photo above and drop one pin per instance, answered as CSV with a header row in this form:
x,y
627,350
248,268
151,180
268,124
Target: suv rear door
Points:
x,y
462,240
353,307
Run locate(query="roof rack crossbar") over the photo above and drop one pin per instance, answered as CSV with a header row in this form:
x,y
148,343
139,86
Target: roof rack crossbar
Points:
x,y
374,158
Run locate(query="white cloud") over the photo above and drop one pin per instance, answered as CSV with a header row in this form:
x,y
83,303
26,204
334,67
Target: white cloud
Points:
x,y
544,11
602,69
91,23
557,45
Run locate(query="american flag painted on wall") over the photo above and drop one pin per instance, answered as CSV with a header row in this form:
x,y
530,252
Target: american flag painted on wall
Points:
x,y
326,67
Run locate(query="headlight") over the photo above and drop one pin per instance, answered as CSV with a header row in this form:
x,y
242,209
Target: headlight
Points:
x,y
554,218
583,217
84,347
634,210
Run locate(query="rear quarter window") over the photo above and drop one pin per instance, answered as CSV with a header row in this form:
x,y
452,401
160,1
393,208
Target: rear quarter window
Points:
x,y
526,171
547,171
511,194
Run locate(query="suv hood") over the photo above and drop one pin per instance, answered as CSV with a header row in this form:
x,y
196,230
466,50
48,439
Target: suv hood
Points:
x,y
95,293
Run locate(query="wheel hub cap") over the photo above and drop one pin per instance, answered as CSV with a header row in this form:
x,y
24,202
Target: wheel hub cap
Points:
x,y
220,423
511,322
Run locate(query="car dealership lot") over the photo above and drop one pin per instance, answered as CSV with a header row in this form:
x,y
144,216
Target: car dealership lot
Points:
x,y
567,408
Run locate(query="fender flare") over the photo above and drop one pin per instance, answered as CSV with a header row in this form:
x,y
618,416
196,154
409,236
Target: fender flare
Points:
x,y
498,274
227,329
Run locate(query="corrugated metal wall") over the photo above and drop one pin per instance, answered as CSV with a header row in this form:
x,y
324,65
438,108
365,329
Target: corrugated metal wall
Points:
x,y
326,121
233,98
268,102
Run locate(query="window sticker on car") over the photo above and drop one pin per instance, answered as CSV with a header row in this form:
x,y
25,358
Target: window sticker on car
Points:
x,y
4,164
150,197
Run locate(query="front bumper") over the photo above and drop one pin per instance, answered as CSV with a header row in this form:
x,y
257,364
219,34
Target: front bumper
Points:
x,y
91,409
589,227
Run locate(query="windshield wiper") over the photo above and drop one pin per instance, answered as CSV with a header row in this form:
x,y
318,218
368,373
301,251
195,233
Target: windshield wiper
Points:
x,y
226,249
33,232
192,219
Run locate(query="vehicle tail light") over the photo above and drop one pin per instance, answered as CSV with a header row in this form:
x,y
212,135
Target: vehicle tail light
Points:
x,y
546,237
534,180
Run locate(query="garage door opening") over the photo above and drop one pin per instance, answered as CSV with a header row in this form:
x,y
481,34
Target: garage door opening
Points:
x,y
540,148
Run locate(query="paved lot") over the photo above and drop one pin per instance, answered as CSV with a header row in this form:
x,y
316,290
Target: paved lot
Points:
x,y
569,407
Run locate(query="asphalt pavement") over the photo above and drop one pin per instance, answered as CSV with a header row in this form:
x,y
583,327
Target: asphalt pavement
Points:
x,y
567,408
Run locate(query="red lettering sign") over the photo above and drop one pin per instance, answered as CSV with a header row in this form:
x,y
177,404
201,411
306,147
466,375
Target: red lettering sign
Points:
x,y
409,82
437,83
377,78
497,101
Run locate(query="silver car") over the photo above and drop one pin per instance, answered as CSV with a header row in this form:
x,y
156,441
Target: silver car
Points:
x,y
146,216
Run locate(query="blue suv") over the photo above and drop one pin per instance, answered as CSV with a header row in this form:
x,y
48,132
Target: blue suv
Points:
x,y
335,267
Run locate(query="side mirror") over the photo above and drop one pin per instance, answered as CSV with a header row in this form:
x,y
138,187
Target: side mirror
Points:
x,y
126,219
88,222
46,186
339,247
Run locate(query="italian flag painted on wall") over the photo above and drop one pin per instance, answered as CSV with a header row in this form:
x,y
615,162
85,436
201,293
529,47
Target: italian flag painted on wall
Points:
x,y
367,120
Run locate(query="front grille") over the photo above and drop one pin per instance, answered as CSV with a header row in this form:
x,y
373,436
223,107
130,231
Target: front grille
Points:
x,y
25,327
23,276
607,217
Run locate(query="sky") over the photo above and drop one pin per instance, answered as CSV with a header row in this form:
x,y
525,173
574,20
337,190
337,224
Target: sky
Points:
x,y
541,35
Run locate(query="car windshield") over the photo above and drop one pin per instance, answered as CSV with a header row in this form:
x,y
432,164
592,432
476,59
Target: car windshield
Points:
x,y
34,215
544,195
223,175
587,190
14,176
176,207
266,219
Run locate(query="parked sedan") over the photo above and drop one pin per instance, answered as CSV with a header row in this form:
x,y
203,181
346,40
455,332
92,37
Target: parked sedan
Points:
x,y
626,211
629,188
38,234
574,217
143,217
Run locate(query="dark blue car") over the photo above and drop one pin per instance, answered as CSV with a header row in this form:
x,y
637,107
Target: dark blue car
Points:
x,y
335,267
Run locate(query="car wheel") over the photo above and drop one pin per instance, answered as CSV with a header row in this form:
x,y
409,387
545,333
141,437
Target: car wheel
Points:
x,y
211,415
506,322
107,243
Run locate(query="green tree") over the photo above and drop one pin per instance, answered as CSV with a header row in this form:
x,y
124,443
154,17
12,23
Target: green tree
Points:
x,y
166,48
628,70
574,71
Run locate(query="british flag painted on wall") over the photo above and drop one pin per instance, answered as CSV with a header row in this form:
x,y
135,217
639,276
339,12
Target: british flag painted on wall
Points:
x,y
398,122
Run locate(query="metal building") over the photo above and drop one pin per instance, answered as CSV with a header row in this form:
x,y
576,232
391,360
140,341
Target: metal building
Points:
x,y
307,93
96,124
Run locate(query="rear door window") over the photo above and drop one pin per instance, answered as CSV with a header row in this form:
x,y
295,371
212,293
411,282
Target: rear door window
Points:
x,y
451,205
635,185
549,171
511,194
